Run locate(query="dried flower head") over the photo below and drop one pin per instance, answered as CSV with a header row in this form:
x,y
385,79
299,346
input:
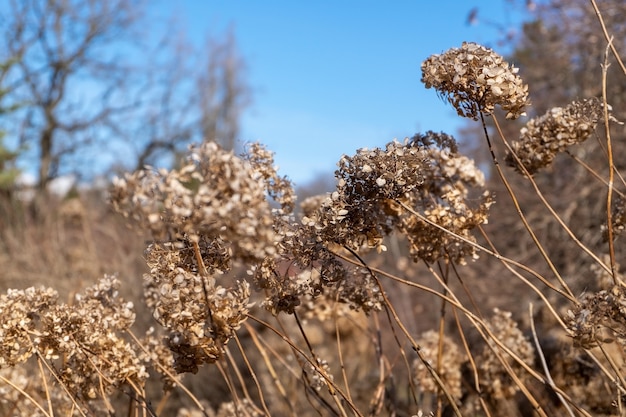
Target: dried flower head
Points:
x,y
200,315
451,359
449,179
88,336
599,318
544,137
474,79
380,190
279,188
358,213
494,378
318,376
357,292
83,339
20,317
215,195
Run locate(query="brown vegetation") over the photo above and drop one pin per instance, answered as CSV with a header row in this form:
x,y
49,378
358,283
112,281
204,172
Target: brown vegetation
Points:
x,y
410,289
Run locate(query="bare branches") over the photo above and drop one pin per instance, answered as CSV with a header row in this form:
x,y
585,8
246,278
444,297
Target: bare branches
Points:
x,y
93,86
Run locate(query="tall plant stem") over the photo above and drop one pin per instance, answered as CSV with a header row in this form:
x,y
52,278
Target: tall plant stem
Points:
x,y
519,209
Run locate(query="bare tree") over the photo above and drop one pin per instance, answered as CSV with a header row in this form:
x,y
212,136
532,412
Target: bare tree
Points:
x,y
194,96
62,47
223,94
95,94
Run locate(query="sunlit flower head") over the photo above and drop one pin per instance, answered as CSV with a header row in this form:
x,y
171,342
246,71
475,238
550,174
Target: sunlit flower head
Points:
x,y
475,79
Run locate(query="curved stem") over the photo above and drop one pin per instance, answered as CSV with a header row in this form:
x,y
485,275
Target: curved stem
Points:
x,y
519,209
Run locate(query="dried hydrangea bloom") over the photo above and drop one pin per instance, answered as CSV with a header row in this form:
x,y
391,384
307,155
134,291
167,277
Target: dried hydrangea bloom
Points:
x,y
20,315
544,137
494,378
216,194
279,188
200,315
318,376
444,199
425,173
474,79
357,292
83,340
599,318
357,213
283,288
243,407
452,360
88,337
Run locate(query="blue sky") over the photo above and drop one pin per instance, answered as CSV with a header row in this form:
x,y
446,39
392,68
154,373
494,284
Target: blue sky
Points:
x,y
329,77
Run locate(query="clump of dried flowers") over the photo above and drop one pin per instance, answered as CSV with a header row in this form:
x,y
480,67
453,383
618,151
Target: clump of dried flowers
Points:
x,y
474,79
599,318
318,376
211,212
380,191
544,137
494,378
215,194
84,340
449,179
449,356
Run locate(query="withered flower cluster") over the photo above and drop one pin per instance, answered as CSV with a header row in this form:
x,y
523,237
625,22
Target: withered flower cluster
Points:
x,y
211,212
84,340
544,137
474,79
318,376
205,197
494,378
377,190
444,198
200,314
214,211
599,318
451,361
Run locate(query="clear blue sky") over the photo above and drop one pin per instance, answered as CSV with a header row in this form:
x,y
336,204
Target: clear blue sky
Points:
x,y
329,77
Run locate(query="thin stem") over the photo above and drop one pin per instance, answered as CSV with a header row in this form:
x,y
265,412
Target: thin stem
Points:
x,y
595,174
329,381
45,385
472,362
547,205
342,364
609,151
544,364
261,349
518,208
493,253
607,36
